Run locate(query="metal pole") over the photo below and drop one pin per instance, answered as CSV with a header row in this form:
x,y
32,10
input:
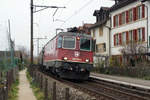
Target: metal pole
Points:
x,y
37,47
43,7
31,49
38,39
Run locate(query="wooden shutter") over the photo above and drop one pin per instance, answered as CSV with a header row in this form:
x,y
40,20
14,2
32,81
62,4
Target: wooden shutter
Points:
x,y
120,59
114,21
127,37
120,39
135,35
143,34
120,19
127,16
114,40
143,11
135,14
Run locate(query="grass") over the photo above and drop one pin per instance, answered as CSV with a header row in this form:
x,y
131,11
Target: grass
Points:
x,y
146,78
13,93
36,90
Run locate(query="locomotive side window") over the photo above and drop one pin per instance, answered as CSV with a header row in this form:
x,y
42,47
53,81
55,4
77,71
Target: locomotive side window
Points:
x,y
59,42
85,44
69,42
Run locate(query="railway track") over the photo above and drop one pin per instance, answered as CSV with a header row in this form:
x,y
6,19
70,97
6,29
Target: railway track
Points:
x,y
103,90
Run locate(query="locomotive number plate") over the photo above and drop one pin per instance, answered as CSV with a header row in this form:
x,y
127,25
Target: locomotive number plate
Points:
x,y
76,59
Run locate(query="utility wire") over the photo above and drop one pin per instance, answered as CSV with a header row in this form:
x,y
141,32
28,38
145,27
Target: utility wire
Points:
x,y
65,4
76,12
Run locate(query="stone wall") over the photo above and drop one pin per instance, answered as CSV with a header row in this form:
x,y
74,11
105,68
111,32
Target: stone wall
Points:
x,y
61,89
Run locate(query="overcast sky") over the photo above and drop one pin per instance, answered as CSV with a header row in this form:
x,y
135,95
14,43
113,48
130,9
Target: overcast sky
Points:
x,y
76,13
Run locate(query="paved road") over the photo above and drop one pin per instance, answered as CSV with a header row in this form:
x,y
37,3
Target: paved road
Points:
x,y
25,92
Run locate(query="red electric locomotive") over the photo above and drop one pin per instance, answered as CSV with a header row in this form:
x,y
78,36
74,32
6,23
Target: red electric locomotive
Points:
x,y
69,55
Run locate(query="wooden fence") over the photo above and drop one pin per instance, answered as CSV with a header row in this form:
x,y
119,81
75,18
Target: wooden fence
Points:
x,y
6,80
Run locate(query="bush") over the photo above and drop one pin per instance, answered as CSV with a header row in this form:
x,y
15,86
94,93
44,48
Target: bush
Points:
x,y
13,93
136,72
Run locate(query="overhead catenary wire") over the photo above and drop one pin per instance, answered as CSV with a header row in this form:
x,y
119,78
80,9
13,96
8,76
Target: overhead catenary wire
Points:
x,y
65,4
76,12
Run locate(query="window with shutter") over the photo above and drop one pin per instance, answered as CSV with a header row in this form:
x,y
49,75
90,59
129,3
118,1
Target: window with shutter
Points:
x,y
117,39
131,36
135,14
139,36
101,47
130,15
139,12
135,35
143,34
117,20
120,39
104,46
143,11
123,18
120,19
100,31
114,21
124,38
127,37
149,41
127,16
93,32
114,40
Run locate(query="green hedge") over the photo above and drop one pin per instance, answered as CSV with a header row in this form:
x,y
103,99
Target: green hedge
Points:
x,y
137,72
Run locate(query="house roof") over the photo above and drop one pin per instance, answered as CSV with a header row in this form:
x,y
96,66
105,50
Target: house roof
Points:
x,y
98,24
120,4
87,25
102,9
96,12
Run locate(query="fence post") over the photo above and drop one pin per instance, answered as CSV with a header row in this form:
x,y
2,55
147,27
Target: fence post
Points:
x,y
5,89
41,83
7,80
67,94
46,92
35,77
38,79
54,90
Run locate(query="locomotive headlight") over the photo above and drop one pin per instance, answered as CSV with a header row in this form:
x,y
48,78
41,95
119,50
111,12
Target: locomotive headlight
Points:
x,y
82,69
65,58
87,60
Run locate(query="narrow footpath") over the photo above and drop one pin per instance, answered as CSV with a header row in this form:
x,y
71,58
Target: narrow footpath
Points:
x,y
25,92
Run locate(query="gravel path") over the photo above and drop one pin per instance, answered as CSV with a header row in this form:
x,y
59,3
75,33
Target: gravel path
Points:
x,y
25,92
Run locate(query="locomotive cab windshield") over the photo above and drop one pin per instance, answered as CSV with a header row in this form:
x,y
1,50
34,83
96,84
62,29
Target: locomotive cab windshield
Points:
x,y
85,44
69,42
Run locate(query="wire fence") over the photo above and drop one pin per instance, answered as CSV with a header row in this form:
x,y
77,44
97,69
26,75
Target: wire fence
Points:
x,y
8,66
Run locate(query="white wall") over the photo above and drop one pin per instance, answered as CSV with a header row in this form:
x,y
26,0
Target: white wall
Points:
x,y
104,38
130,26
148,7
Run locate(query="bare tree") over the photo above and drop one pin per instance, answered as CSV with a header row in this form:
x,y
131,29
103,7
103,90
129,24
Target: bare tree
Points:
x,y
24,53
131,51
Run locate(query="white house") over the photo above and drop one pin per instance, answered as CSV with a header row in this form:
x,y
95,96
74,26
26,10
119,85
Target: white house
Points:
x,y
100,32
130,21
